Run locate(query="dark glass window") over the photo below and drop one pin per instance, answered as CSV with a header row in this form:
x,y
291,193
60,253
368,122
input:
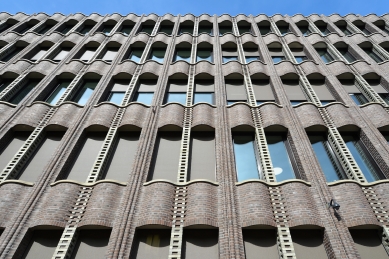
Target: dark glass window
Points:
x,y
224,30
147,29
347,55
373,55
11,54
157,55
358,98
305,30
185,29
86,28
204,54
277,59
324,30
325,55
205,29
136,55
19,96
283,29
182,54
4,83
168,29
126,29
344,29
264,29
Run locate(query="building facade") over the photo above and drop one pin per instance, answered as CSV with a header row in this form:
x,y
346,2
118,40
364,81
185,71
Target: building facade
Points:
x,y
194,137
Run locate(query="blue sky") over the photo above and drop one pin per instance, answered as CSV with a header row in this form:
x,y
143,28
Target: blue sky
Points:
x,y
196,7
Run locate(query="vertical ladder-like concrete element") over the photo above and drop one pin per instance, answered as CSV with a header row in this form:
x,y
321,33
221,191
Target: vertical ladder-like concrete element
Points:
x,y
284,239
179,205
24,153
109,141
69,236
12,88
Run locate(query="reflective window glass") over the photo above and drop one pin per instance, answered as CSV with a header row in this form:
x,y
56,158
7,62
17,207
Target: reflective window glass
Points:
x,y
24,91
58,92
204,54
282,165
245,157
116,97
361,158
176,97
326,157
182,54
85,92
203,97
277,59
157,55
136,55
144,97
230,58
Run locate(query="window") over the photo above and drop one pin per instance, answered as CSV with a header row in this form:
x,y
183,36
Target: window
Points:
x,y
146,91
358,98
244,29
8,150
300,59
26,26
346,54
363,29
262,90
251,54
204,54
118,91
86,156
8,24
63,52
122,157
4,83
167,28
277,59
88,54
147,29
373,55
11,54
24,91
126,29
324,30
202,156
327,159
204,91
293,91
42,51
344,29
284,29
85,92
362,157
236,91
41,157
260,242
42,244
66,28
166,156
182,54
223,29
353,91
277,145
369,243
325,55
91,243
185,29
87,28
205,29
107,29
321,90
305,30
177,91
375,83
308,242
151,243
136,54
276,54
245,152
229,55
200,243
157,54
58,92
110,54
264,29
45,28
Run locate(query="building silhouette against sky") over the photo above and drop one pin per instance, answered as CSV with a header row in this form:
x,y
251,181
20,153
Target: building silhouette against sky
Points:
x,y
194,137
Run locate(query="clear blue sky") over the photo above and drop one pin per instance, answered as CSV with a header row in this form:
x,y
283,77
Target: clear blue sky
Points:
x,y
197,7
